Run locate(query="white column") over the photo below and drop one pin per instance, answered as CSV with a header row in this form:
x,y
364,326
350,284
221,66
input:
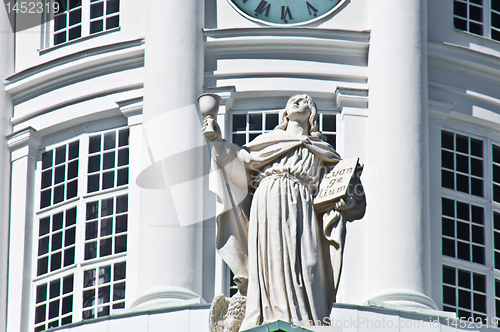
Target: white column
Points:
x,y
6,69
398,264
170,255
24,147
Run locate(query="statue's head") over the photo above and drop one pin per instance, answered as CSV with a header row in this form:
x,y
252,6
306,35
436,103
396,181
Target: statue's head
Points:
x,y
313,114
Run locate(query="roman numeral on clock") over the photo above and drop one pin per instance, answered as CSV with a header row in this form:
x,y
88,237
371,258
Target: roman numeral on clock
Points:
x,y
263,6
311,7
285,11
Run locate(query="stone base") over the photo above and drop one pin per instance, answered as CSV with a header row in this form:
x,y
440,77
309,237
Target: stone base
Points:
x,y
277,326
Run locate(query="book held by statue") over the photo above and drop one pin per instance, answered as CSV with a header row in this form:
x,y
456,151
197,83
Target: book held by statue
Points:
x,y
339,182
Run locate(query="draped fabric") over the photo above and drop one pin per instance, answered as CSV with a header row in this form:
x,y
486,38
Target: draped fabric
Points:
x,y
275,238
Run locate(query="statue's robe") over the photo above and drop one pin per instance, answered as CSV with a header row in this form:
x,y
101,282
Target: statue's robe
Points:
x,y
275,238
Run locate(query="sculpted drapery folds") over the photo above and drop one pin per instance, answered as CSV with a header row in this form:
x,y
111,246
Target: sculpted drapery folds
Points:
x,y
291,255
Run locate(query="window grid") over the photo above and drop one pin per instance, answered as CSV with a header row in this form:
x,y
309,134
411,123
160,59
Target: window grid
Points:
x,y
108,160
470,228
56,241
103,290
247,126
462,163
79,18
54,303
61,229
106,227
496,172
463,231
480,17
468,15
104,15
464,292
67,21
59,174
495,20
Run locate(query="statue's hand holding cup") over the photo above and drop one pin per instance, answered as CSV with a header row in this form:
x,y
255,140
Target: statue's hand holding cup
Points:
x,y
209,107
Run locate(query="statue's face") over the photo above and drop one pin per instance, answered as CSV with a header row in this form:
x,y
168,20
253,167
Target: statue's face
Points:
x,y
298,109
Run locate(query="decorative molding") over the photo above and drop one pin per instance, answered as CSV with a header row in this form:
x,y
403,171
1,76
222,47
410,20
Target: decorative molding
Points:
x,y
132,109
402,298
350,97
74,68
439,108
24,138
164,296
293,39
464,61
226,93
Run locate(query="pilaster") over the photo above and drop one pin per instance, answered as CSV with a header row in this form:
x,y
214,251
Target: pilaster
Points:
x,y
6,69
24,146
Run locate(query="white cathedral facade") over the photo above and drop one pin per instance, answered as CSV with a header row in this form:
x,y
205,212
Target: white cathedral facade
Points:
x,y
106,220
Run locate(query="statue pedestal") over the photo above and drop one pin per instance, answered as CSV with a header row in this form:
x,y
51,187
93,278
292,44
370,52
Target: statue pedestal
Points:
x,y
277,326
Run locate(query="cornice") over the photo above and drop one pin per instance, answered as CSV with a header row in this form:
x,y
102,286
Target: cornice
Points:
x,y
296,39
350,97
74,68
464,61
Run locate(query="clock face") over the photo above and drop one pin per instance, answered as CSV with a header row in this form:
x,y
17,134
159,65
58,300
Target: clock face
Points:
x,y
287,12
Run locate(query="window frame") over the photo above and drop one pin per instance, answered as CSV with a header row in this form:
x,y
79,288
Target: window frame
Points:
x,y
489,205
48,24
80,202
487,11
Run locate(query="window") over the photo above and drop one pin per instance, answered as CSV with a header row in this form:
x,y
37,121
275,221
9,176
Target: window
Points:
x,y
81,229
470,226
480,17
248,125
80,18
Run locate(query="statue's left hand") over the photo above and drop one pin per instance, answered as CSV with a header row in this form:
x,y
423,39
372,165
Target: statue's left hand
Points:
x,y
345,203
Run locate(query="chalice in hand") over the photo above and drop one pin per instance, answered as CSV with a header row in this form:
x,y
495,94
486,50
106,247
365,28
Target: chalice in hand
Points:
x,y
209,107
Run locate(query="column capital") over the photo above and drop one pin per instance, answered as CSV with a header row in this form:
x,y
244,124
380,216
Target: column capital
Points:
x,y
350,97
226,93
24,142
132,109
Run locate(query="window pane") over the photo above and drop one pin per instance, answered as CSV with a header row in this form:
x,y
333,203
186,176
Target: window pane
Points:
x,y
271,121
96,9
60,38
460,9
59,22
106,207
476,28
255,121
74,3
94,164
239,122
476,13
75,17
75,32
41,293
109,140
112,6
122,177
94,144
93,183
123,157
112,22
122,204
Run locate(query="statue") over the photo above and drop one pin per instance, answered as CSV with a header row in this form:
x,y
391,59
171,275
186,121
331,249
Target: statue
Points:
x,y
290,253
